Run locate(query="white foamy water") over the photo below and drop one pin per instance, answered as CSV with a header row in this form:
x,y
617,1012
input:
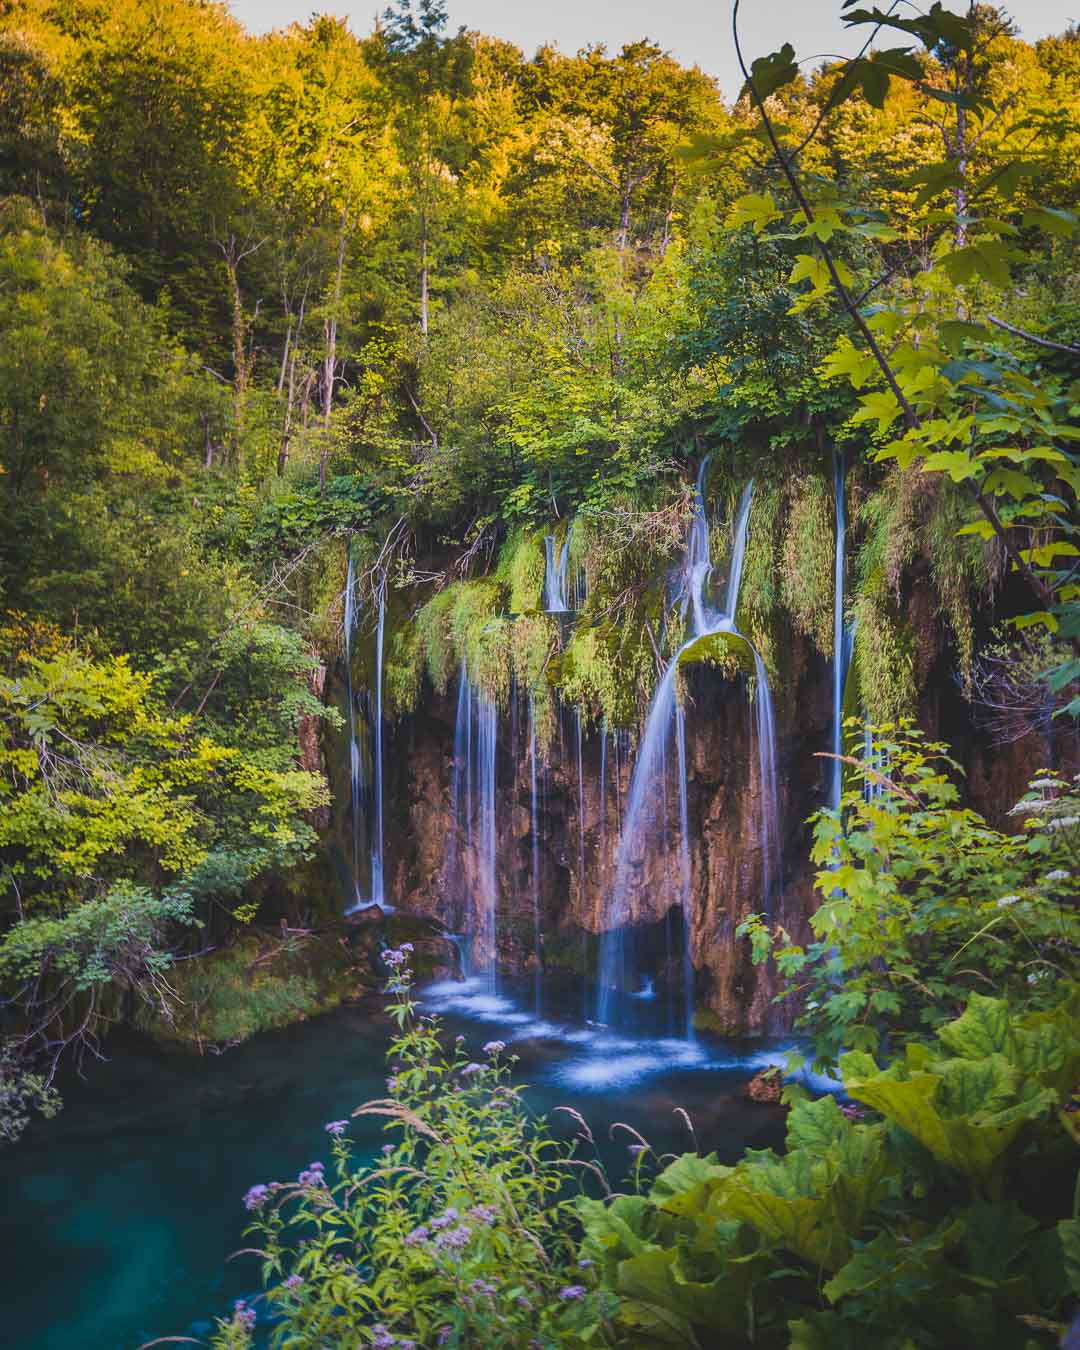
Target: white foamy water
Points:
x,y
600,1059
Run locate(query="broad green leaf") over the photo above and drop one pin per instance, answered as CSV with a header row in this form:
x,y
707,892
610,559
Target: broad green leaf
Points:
x,y
754,209
982,1029
880,406
953,462
772,72
1052,220
1069,1235
954,333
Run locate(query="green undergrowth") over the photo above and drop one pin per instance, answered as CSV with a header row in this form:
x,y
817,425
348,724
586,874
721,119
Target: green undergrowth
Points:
x,y
260,982
606,656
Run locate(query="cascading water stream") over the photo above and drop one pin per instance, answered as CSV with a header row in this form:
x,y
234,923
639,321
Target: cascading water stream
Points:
x,y
581,860
555,575
843,636
684,874
355,760
378,896
372,817
648,782
487,735
470,873
534,832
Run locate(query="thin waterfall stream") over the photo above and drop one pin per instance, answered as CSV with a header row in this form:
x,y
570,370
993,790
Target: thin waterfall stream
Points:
x,y
843,635
646,806
365,794
555,575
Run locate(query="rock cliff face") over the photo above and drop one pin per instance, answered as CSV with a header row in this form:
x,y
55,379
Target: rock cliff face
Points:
x,y
434,865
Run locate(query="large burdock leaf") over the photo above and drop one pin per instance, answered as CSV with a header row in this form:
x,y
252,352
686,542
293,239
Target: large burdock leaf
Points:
x,y
905,1268
656,1278
982,1029
1069,1235
684,1188
965,1113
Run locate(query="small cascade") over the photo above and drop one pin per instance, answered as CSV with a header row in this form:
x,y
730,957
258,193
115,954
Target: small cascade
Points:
x,y
378,896
487,720
646,806
581,586
581,857
555,575
356,762
470,873
843,636
460,786
603,798
534,835
685,875
765,729
365,793
873,758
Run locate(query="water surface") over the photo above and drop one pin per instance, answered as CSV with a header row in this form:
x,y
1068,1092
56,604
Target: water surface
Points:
x,y
120,1214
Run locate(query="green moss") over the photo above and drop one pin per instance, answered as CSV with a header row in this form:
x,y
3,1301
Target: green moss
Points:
x,y
884,653
808,560
521,569
958,568
435,640
759,598
467,622
257,984
534,642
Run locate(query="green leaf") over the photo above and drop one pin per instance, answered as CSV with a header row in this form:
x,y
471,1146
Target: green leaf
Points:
x,y
1052,220
988,260
954,333
772,72
955,463
880,406
1039,619
1069,1235
754,209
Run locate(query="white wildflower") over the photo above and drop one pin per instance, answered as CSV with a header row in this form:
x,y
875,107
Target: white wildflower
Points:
x,y
1046,783
1063,822
1032,808
1059,875
1007,900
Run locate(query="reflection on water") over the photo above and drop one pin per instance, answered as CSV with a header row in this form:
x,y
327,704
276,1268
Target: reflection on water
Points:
x,y
119,1215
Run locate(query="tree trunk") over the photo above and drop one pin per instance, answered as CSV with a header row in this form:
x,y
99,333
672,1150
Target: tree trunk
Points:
x,y
330,327
242,360
423,274
290,402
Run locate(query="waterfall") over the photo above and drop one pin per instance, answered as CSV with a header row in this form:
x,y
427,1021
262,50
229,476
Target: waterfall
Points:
x,y
555,575
454,871
369,821
487,735
684,874
378,896
581,861
765,728
843,636
646,803
534,834
603,799
356,768
471,872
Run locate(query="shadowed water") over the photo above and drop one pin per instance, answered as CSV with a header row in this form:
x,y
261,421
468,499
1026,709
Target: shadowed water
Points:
x,y
119,1215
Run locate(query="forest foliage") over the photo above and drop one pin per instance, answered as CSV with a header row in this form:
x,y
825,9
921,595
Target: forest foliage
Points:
x,y
265,300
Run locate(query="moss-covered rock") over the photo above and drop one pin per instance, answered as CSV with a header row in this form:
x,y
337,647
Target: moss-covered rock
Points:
x,y
264,980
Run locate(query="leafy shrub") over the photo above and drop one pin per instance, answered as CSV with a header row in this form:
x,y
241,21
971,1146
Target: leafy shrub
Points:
x,y
949,1221
458,1235
924,903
